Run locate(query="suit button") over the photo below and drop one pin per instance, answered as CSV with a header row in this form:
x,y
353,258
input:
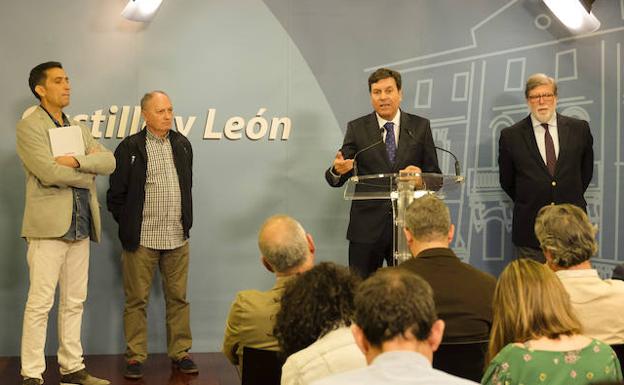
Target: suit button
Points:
x,y
554,183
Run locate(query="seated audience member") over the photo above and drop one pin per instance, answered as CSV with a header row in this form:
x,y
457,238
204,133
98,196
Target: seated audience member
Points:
x,y
567,238
466,304
286,250
312,326
618,272
536,337
396,327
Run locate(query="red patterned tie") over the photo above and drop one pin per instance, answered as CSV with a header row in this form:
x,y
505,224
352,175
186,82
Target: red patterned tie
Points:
x,y
551,158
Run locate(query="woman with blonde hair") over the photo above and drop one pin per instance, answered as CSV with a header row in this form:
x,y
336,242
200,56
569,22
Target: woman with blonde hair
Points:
x,y
536,337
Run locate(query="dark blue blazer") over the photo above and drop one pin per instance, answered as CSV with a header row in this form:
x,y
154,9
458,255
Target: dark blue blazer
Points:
x,y
416,148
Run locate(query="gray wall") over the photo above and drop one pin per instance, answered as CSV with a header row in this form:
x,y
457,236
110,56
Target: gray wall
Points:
x,y
463,67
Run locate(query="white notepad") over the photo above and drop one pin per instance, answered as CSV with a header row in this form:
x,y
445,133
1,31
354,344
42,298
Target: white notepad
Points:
x,y
66,141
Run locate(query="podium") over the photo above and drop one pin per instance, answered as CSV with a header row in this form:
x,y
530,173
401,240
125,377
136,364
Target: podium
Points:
x,y
401,189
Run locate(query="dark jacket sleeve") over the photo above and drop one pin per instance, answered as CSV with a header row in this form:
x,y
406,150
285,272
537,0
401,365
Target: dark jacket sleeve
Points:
x,y
348,149
118,189
506,169
587,162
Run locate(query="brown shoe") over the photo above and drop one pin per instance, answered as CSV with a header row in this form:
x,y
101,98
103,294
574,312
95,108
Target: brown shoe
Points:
x,y
82,377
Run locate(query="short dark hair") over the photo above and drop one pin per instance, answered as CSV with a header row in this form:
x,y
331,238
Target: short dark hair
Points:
x,y
384,73
39,74
394,302
313,304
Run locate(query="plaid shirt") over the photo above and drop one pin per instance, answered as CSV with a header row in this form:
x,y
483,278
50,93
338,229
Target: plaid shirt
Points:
x,y
162,211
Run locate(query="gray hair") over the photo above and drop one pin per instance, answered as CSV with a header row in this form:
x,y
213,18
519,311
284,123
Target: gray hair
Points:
x,y
537,80
428,218
566,232
148,96
283,243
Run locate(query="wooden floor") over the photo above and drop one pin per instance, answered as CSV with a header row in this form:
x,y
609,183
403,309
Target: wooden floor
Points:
x,y
214,369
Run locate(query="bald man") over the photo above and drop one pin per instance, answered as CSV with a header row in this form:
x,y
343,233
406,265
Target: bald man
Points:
x,y
286,250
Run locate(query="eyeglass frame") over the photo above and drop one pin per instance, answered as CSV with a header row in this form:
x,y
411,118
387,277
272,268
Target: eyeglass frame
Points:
x,y
545,97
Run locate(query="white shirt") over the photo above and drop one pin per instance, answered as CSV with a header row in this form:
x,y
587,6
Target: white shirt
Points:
x,y
598,303
539,132
395,368
397,122
333,353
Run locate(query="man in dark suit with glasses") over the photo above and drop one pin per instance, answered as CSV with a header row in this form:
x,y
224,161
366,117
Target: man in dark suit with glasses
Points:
x,y
545,159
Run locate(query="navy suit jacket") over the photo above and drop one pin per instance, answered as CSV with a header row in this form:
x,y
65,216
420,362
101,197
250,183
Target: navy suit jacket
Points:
x,y
368,217
525,178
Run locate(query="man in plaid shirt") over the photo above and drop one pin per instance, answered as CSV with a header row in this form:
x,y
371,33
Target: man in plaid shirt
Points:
x,y
150,198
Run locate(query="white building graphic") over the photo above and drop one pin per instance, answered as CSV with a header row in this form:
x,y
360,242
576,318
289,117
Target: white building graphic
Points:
x,y
471,93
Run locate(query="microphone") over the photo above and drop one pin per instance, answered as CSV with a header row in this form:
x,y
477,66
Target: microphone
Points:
x,y
457,168
355,172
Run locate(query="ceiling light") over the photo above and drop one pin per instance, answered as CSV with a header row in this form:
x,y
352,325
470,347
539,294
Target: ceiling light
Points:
x,y
576,15
141,10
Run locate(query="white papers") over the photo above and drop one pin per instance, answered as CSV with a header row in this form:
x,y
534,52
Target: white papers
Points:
x,y
66,141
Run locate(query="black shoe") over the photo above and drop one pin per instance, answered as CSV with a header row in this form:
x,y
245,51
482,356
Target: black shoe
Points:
x,y
186,365
134,369
31,381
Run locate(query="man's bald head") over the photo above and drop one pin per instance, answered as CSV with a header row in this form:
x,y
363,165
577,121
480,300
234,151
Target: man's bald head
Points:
x,y
283,243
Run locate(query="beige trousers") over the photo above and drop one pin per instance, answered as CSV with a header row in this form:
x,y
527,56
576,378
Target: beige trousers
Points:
x,y
138,274
52,263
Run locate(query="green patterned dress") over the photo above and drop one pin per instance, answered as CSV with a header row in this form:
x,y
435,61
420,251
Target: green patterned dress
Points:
x,y
521,365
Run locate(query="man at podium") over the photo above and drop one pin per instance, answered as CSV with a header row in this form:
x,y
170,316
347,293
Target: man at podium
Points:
x,y
387,140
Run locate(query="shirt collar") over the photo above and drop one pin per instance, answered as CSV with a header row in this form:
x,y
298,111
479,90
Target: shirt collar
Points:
x,y
280,282
399,357
64,118
551,123
437,252
580,273
396,120
151,136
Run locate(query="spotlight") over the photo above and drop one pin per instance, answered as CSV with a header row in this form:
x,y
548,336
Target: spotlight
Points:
x,y
141,10
575,14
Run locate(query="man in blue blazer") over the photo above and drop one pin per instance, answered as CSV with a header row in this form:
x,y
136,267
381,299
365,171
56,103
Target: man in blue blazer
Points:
x,y
544,159
386,141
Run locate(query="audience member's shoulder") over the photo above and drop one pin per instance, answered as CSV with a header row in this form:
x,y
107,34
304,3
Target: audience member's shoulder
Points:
x,y
618,272
616,284
250,294
410,265
355,376
509,351
484,276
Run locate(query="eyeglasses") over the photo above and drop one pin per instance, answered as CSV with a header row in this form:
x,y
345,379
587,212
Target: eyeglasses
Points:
x,y
545,97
